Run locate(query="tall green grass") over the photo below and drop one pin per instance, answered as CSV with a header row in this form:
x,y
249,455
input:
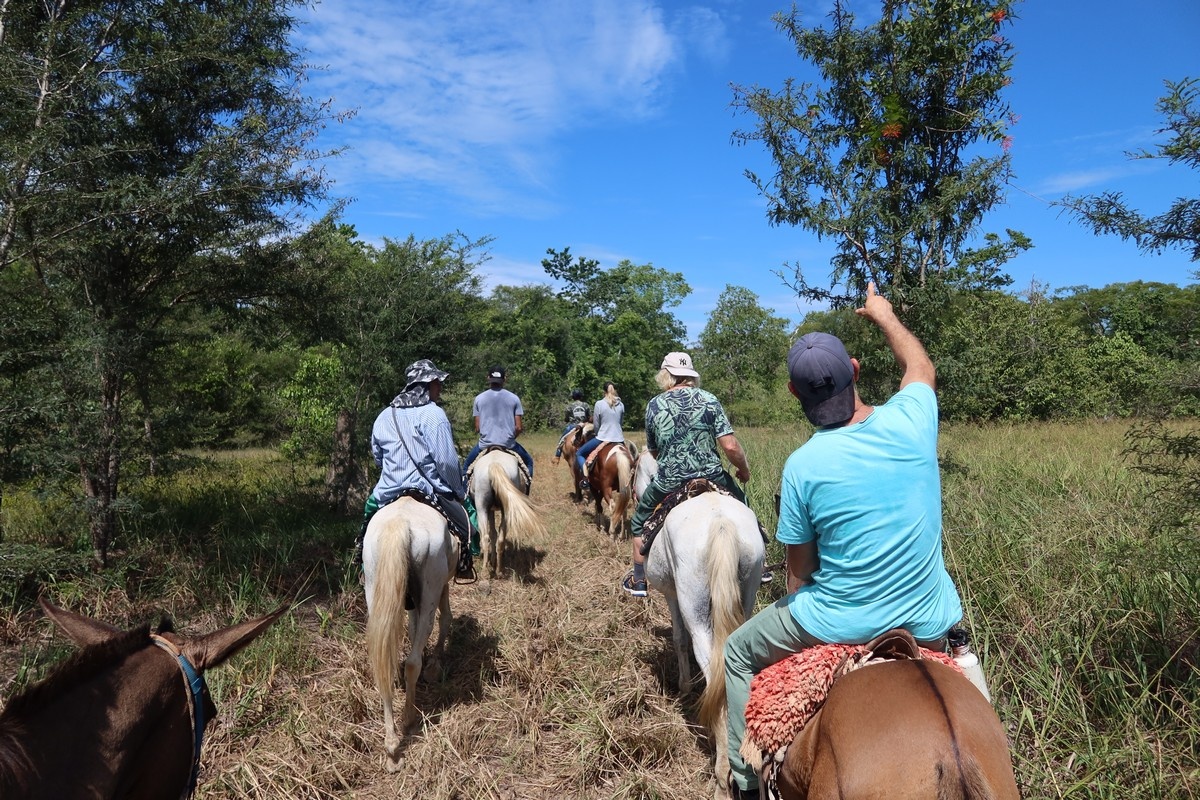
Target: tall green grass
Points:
x,y
1086,619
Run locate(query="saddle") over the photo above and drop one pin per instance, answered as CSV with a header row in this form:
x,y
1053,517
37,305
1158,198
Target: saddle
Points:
x,y
520,464
694,487
412,593
604,450
787,694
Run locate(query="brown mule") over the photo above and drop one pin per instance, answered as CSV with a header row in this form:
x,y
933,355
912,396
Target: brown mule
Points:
x,y
901,729
121,718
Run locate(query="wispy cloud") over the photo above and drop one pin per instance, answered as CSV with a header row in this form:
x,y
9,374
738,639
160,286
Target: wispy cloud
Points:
x,y
471,97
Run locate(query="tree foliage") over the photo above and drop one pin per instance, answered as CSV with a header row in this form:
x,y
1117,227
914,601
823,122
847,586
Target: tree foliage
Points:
x,y
149,154
1179,225
621,325
877,156
742,342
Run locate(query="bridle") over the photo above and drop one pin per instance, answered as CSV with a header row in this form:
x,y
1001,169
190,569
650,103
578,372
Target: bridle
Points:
x,y
194,687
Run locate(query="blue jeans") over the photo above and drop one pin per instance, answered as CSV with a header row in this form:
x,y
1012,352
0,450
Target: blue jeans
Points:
x,y
582,453
521,451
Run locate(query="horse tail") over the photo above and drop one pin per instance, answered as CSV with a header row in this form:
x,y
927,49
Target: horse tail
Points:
x,y
968,782
388,621
519,516
624,484
726,612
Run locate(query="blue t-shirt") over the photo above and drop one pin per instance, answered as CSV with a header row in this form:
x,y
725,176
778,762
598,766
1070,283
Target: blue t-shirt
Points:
x,y
497,410
870,494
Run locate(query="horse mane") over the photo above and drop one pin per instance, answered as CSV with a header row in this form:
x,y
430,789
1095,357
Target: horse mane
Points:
x,y
15,765
77,667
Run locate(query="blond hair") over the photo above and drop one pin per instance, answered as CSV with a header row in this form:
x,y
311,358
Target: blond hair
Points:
x,y
666,380
610,394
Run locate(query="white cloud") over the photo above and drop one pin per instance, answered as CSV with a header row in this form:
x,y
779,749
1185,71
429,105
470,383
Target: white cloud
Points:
x,y
470,97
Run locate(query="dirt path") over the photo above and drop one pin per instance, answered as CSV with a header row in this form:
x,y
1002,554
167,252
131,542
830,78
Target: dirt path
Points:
x,y
554,685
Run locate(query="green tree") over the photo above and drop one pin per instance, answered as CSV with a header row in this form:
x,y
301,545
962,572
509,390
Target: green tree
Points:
x,y
877,156
742,342
150,154
1161,317
1179,225
623,323
390,306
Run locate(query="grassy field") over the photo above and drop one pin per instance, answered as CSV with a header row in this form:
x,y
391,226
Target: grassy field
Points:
x,y
555,685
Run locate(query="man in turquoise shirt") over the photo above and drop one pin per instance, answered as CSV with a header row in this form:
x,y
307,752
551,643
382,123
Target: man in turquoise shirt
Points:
x,y
861,515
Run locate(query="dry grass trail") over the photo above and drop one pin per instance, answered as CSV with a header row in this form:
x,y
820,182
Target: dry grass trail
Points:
x,y
554,685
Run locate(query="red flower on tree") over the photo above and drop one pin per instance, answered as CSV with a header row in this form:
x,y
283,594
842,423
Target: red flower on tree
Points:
x,y
891,130
998,15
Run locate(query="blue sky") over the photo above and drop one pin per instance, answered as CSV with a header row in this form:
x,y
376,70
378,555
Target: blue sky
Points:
x,y
605,126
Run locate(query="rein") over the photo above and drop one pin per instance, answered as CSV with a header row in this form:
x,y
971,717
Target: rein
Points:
x,y
194,684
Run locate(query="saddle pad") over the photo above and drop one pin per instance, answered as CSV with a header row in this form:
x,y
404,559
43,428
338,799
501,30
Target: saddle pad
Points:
x,y
524,470
658,517
786,695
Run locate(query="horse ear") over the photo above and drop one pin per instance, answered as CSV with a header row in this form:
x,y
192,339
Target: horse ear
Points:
x,y
79,629
212,649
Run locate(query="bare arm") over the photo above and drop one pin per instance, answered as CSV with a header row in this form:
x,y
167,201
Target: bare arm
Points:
x,y
518,418
909,352
737,457
802,562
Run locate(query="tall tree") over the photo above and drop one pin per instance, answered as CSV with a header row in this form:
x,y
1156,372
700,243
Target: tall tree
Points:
x,y
624,324
877,156
742,341
392,305
151,152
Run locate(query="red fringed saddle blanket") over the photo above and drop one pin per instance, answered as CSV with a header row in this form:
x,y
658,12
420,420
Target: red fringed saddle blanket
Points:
x,y
786,695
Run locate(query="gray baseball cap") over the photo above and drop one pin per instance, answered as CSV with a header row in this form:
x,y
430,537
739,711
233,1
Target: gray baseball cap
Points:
x,y
823,377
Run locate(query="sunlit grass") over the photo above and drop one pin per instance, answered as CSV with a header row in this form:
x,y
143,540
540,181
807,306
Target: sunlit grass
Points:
x,y
1086,621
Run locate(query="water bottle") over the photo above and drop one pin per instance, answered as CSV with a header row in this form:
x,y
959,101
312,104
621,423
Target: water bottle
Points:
x,y
960,648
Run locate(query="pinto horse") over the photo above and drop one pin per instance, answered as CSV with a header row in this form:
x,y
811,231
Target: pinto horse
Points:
x,y
571,444
901,729
409,556
124,717
612,483
707,561
498,491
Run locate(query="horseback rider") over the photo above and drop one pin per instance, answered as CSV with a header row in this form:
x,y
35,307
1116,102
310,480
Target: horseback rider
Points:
x,y
577,414
686,431
498,414
860,514
609,413
413,445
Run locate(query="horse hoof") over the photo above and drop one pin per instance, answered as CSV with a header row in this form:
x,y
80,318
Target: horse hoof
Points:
x,y
393,765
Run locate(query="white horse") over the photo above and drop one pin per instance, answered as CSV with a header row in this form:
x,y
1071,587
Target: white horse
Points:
x,y
408,548
707,561
498,485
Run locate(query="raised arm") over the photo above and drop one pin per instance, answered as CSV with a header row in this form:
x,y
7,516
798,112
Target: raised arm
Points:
x,y
910,354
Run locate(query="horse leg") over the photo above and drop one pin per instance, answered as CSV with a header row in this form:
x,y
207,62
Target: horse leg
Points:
x,y
487,522
391,741
443,622
682,639
501,535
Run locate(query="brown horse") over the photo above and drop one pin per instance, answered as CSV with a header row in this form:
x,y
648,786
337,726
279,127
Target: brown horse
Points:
x,y
901,729
571,444
612,483
122,718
